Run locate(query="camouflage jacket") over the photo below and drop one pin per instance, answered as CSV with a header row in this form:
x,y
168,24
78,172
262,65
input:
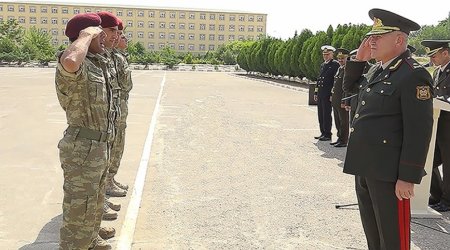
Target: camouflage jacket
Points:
x,y
123,71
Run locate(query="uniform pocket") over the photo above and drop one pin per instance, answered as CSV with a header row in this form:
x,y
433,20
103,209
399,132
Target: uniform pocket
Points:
x,y
97,83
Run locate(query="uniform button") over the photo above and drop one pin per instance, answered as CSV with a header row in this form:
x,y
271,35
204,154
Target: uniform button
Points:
x,y
384,141
357,115
363,103
437,87
352,129
382,91
368,89
360,86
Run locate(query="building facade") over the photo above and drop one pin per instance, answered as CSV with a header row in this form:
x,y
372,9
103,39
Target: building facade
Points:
x,y
185,30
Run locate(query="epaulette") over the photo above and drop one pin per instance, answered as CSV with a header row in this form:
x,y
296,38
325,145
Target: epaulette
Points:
x,y
413,63
395,66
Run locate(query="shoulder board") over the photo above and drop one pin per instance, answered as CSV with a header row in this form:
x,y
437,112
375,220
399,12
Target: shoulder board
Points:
x,y
413,63
395,66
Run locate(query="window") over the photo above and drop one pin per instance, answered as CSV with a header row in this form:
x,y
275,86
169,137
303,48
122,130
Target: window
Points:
x,y
202,26
212,16
54,10
231,28
232,18
43,9
202,16
162,45
162,14
55,41
212,37
181,26
151,46
241,18
10,18
119,13
171,35
259,18
87,10
231,38
44,20
130,23
181,36
260,29
130,34
172,45
66,42
182,15
11,8
151,25
221,27
221,37
212,27
211,47
65,20
191,47
251,18
54,32
21,8
141,24
162,35
76,11
151,13
250,38
32,9
191,37
241,38
191,15
172,15
1,9
32,20
44,30
140,13
202,36
221,17
162,25
191,26
172,26
130,13
202,47
54,21
181,46
241,28
140,34
250,28
151,35
21,19
65,11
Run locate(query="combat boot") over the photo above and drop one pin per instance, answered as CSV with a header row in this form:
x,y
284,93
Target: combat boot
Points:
x,y
106,232
100,244
120,185
108,213
113,190
114,206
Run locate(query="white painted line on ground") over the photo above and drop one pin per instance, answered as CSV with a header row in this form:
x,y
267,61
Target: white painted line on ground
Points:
x,y
129,224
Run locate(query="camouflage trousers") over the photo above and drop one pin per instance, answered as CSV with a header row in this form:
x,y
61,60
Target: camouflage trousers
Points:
x,y
84,163
119,140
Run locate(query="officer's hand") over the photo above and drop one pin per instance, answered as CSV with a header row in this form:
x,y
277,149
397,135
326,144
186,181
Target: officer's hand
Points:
x,y
91,31
315,98
363,53
342,106
348,108
404,190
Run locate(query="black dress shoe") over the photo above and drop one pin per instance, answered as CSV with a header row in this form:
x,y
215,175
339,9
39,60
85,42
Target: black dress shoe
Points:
x,y
340,145
318,137
334,143
432,201
441,207
324,138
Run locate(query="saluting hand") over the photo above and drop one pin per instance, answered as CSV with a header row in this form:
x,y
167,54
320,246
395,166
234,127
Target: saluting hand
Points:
x,y
363,53
404,190
91,31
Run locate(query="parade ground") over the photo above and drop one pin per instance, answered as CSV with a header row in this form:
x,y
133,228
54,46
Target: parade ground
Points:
x,y
214,160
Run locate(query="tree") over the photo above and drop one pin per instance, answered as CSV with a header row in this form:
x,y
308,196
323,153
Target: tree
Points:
x,y
38,46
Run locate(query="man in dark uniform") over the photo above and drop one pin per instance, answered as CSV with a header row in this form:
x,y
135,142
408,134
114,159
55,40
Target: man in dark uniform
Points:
x,y
323,92
350,92
391,130
340,114
439,53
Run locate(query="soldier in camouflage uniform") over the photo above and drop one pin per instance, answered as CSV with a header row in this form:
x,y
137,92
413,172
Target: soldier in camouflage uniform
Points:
x,y
83,93
124,79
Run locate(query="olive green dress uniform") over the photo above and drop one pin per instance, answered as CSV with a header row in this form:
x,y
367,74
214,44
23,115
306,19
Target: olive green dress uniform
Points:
x,y
84,149
125,84
340,114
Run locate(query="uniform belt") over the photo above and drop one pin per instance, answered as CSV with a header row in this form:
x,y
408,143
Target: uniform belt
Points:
x,y
90,134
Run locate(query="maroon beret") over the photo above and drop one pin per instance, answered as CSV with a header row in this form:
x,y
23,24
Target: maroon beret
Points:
x,y
80,22
108,19
120,26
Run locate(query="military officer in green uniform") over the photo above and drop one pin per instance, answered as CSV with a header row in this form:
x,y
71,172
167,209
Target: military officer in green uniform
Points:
x,y
340,114
391,130
439,53
84,94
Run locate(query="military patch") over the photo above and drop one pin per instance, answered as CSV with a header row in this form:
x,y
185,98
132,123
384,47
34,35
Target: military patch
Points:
x,y
423,92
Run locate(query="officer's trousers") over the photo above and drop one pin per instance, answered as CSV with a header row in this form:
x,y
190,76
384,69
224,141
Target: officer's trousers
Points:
x,y
84,163
324,114
442,156
385,219
341,123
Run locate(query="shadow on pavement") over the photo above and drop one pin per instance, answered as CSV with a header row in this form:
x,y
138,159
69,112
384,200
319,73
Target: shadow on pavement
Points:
x,y
331,152
431,233
48,237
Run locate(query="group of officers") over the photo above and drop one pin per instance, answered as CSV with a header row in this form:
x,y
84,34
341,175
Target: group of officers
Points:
x,y
389,127
93,82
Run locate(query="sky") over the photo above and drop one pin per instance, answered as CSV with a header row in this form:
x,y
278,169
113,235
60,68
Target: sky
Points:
x,y
287,16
